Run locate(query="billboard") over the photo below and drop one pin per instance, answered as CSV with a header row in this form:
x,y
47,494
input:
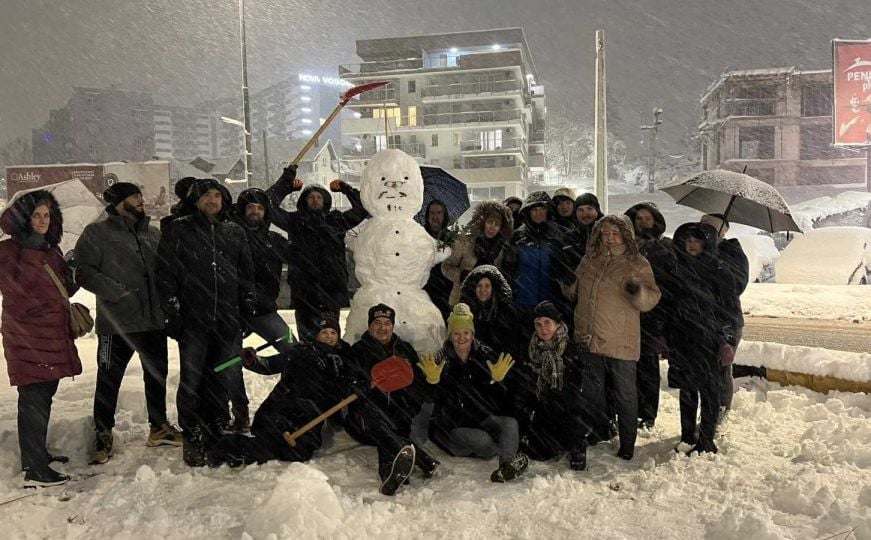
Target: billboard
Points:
x,y
33,176
852,92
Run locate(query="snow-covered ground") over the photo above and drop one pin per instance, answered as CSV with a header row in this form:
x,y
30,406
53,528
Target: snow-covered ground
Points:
x,y
830,302
793,464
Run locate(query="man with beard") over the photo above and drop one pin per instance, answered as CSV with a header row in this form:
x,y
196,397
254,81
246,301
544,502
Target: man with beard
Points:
x,y
586,212
439,286
649,229
116,259
563,208
317,267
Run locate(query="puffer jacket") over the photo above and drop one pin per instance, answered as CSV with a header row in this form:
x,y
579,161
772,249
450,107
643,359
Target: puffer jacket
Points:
x,y
267,250
36,317
472,248
607,317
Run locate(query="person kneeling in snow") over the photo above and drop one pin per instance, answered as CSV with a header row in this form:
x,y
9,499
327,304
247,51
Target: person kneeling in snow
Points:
x,y
314,377
469,397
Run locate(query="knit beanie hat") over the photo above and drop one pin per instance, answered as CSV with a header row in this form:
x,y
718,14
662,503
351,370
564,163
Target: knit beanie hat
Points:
x,y
588,199
461,318
547,309
328,320
382,310
119,191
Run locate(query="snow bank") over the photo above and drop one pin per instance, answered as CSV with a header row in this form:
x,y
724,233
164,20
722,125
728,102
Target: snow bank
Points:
x,y
810,360
809,212
829,256
830,302
761,253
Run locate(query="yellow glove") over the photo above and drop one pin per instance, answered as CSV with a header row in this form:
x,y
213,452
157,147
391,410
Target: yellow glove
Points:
x,y
501,367
431,368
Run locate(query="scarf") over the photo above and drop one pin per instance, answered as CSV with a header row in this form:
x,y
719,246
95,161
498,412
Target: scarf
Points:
x,y
488,249
547,360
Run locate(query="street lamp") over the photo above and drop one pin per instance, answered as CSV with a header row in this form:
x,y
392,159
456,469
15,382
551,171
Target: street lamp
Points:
x,y
246,107
651,158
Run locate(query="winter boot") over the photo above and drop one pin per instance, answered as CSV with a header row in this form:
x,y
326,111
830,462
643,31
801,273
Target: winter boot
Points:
x,y
102,447
167,434
626,453
703,447
578,458
427,464
241,420
510,469
44,477
399,471
193,451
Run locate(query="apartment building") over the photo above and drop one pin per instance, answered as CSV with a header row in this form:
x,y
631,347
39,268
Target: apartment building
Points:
x,y
469,102
778,124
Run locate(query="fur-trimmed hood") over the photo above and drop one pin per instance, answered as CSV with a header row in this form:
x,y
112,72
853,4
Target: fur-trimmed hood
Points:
x,y
626,230
15,220
476,225
658,219
501,289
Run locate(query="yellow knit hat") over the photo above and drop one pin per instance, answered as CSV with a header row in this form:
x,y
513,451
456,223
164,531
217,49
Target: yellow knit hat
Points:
x,y
461,318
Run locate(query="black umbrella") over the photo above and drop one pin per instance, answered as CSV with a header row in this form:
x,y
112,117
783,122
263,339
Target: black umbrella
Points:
x,y
741,198
438,184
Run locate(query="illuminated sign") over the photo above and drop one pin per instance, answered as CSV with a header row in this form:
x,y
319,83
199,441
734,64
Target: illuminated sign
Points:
x,y
329,81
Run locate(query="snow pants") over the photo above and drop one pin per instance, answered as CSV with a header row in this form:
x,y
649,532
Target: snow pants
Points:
x,y
34,409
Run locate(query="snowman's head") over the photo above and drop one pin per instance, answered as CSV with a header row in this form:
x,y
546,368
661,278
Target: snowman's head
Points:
x,y
392,186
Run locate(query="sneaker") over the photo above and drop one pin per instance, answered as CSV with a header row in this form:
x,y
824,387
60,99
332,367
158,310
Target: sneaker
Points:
x,y
167,434
193,452
44,478
510,469
578,461
102,447
401,468
241,421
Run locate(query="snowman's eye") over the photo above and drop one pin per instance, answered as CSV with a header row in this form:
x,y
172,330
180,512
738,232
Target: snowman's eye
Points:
x,y
406,178
383,178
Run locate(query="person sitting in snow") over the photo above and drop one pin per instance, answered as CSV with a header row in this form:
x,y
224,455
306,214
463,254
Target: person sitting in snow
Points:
x,y
469,397
406,411
487,293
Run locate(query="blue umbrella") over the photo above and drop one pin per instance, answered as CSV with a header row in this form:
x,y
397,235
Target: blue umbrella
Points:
x,y
438,184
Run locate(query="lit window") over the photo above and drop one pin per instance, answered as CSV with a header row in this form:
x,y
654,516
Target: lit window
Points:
x,y
306,132
306,98
412,116
305,87
496,47
306,121
390,112
453,49
305,109
358,115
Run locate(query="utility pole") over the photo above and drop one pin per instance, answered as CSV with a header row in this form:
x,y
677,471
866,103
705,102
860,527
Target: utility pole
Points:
x,y
246,107
651,148
600,144
266,158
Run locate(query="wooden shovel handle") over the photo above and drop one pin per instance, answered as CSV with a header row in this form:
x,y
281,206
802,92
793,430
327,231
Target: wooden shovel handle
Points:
x,y
292,437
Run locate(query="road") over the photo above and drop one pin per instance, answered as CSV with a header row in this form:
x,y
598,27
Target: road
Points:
x,y
837,335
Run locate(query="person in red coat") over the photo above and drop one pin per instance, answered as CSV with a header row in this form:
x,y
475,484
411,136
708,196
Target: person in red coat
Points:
x,y
37,343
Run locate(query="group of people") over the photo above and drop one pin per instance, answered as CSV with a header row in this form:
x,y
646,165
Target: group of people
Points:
x,y
557,318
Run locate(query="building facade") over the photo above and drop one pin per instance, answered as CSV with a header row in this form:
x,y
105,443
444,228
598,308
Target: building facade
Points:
x,y
776,123
468,102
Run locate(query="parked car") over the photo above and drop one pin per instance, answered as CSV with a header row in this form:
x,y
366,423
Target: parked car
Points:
x,y
827,256
761,254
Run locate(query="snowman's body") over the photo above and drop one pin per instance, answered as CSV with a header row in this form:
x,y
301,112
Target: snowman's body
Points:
x,y
393,254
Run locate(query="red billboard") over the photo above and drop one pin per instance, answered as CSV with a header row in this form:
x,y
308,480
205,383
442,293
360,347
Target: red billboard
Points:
x,y
852,92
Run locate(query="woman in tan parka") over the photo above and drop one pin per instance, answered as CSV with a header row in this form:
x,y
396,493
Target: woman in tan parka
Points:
x,y
615,284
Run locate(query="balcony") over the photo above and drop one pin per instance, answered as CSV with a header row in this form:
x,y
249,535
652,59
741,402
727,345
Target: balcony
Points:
x,y
416,150
375,98
436,62
475,147
353,126
450,92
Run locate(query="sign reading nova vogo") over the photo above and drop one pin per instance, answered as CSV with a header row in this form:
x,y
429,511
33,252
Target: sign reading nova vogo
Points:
x,y
329,81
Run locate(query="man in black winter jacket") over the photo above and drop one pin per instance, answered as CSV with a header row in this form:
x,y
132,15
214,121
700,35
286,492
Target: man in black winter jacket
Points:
x,y
317,267
116,259
438,286
179,209
207,290
253,212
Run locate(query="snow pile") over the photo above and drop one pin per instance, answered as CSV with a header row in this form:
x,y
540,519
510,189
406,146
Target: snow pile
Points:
x,y
810,360
761,253
809,212
829,256
830,302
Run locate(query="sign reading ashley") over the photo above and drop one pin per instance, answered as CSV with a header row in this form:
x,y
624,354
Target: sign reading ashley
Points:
x,y
852,92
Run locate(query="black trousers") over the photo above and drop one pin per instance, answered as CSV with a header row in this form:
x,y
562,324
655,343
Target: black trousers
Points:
x,y
34,408
557,425
647,381
203,394
621,393
113,354
691,395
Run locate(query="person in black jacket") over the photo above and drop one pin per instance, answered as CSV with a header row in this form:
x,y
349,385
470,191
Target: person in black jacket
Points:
x,y
179,209
558,409
253,213
116,259
699,331
487,293
317,267
562,208
206,287
649,225
514,204
469,396
574,246
438,286
733,255
404,408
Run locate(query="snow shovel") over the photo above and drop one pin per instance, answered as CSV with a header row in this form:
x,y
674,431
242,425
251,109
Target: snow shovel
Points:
x,y
238,358
346,97
389,375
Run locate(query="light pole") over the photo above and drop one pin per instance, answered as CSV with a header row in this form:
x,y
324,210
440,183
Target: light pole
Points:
x,y
246,107
651,157
246,161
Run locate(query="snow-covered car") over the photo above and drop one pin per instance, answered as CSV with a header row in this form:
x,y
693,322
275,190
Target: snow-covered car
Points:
x,y
828,256
761,254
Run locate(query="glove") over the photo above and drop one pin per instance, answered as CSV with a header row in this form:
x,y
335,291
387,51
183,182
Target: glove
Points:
x,y
248,356
501,367
173,323
727,354
337,186
289,174
431,368
632,287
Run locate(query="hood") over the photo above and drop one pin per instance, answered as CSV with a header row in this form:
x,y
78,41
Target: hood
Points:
x,y
589,199
479,216
253,195
658,219
199,187
426,216
513,200
15,219
302,203
697,230
622,222
534,200
501,288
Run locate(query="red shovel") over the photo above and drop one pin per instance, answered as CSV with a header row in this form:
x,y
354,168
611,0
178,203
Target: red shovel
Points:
x,y
389,375
346,97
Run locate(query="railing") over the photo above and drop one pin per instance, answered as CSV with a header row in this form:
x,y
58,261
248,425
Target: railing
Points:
x,y
491,145
381,65
471,117
367,151
374,97
471,88
488,58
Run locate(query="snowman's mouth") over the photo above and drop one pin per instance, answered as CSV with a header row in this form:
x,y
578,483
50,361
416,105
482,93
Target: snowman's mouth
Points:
x,y
394,208
384,195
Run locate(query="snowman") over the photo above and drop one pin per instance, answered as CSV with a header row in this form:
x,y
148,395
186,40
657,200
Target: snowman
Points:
x,y
394,254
